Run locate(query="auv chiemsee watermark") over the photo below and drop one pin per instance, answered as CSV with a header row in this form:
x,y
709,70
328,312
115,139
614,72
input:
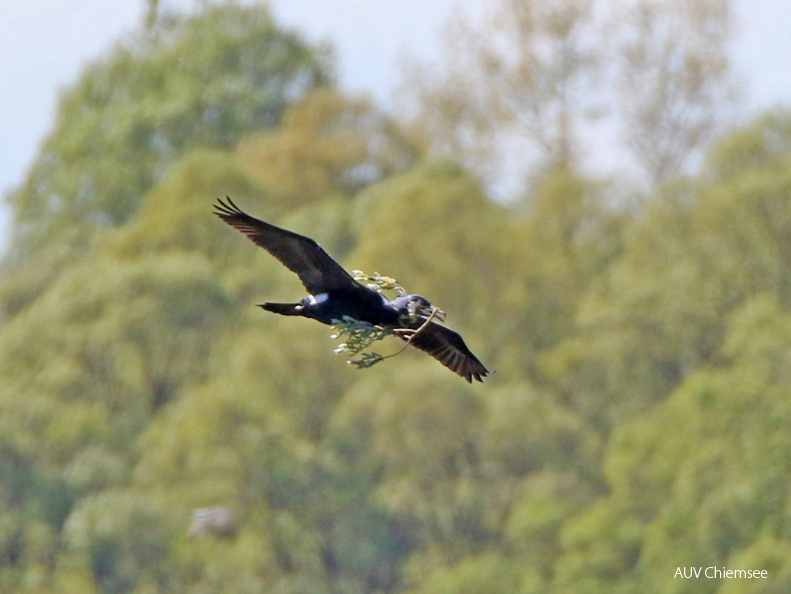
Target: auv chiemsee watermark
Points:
x,y
719,573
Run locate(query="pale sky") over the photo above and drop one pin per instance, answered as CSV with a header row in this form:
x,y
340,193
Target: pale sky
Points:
x,y
44,43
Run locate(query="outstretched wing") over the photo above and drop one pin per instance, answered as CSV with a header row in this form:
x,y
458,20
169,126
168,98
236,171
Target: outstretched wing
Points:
x,y
315,268
447,347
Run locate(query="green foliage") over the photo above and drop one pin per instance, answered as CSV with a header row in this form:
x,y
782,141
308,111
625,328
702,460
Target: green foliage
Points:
x,y
357,337
486,573
457,270
123,539
637,423
327,144
192,81
701,249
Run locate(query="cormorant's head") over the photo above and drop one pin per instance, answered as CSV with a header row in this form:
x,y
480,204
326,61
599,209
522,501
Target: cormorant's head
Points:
x,y
413,306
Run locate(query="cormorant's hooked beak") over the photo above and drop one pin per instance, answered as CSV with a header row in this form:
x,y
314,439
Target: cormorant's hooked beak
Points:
x,y
417,307
427,312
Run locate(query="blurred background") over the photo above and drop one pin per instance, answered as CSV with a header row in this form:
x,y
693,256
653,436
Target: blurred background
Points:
x,y
597,192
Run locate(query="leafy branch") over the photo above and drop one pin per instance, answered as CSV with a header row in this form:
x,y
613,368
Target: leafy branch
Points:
x,y
377,282
359,335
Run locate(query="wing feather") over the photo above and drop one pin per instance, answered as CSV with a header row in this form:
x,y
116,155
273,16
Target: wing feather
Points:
x,y
449,348
302,255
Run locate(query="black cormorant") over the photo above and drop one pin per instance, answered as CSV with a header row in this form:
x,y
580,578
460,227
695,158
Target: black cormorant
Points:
x,y
334,295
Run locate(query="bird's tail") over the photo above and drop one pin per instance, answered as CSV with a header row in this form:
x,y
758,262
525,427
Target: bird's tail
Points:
x,y
284,309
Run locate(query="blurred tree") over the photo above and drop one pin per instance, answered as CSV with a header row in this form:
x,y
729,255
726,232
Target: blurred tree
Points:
x,y
125,542
431,473
700,250
151,14
530,88
107,345
189,81
328,145
638,419
400,227
673,84
522,79
714,486
564,239
114,371
83,350
483,573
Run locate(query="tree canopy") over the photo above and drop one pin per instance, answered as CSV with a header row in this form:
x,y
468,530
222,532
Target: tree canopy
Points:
x,y
636,423
203,80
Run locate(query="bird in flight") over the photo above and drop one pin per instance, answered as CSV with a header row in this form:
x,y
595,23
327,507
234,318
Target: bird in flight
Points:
x,y
334,295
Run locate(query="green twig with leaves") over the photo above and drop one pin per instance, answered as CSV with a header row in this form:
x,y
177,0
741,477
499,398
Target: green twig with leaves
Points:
x,y
377,282
360,335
